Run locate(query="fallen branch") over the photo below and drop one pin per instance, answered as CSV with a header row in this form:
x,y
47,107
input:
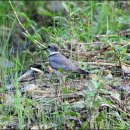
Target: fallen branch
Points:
x,y
100,63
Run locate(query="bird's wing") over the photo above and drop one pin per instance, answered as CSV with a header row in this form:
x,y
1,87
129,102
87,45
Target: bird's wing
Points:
x,y
59,61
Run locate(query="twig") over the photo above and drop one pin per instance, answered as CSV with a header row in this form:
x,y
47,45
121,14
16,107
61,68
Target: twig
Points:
x,y
100,63
33,40
120,63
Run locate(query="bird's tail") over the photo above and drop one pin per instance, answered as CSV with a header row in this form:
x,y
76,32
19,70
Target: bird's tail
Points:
x,y
83,71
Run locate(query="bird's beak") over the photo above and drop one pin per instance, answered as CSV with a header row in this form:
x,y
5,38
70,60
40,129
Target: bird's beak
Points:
x,y
44,49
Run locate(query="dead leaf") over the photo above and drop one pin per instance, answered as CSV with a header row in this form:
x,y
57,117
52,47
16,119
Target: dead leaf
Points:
x,y
26,76
28,87
126,69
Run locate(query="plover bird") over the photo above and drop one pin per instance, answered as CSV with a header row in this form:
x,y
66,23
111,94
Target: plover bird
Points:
x,y
59,61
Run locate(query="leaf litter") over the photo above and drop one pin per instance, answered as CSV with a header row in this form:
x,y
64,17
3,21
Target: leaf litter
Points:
x,y
101,91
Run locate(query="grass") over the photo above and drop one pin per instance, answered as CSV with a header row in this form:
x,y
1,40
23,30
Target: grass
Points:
x,y
77,22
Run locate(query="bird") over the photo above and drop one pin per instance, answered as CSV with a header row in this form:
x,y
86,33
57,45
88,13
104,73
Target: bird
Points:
x,y
58,61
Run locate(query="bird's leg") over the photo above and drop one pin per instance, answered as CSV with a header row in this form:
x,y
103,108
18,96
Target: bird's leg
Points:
x,y
57,73
60,83
61,78
64,80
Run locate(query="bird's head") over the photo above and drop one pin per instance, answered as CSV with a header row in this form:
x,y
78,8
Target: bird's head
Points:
x,y
52,49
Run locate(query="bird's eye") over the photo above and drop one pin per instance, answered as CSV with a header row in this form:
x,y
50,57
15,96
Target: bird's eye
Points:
x,y
49,46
